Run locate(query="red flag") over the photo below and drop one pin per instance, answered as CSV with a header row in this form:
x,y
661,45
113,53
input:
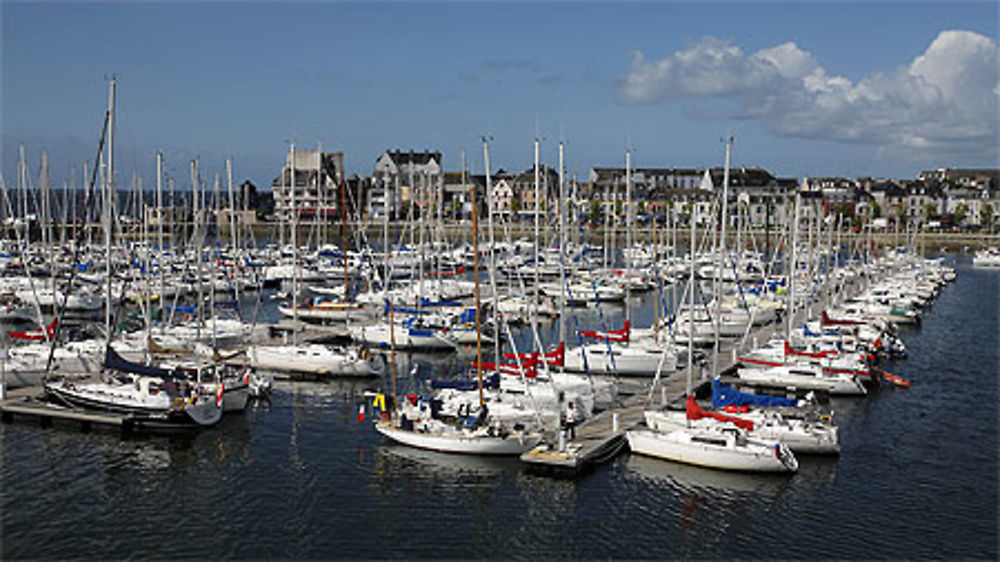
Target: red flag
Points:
x,y
361,413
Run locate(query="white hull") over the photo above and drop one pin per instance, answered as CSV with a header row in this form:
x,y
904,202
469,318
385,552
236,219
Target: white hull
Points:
x,y
459,442
620,360
314,359
787,378
684,446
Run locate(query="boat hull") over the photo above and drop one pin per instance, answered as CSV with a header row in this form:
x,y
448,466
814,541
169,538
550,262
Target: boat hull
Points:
x,y
459,443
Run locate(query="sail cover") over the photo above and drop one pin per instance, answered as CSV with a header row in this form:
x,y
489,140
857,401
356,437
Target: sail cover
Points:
x,y
694,412
114,361
723,395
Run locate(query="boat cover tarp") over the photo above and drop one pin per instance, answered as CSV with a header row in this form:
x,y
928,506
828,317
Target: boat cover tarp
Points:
x,y
36,335
429,303
492,381
612,335
554,358
114,361
723,395
694,412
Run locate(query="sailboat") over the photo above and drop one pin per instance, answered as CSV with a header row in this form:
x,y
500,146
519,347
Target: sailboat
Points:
x,y
415,422
709,439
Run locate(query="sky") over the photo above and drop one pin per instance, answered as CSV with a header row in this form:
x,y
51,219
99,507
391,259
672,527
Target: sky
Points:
x,y
854,89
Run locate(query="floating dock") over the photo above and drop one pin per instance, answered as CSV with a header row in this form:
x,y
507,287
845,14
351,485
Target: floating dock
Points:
x,y
26,404
602,437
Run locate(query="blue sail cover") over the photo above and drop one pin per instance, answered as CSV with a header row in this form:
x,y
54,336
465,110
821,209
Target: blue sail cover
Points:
x,y
427,302
723,395
492,381
116,362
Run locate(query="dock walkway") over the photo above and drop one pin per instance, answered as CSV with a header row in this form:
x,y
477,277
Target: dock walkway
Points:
x,y
26,403
603,436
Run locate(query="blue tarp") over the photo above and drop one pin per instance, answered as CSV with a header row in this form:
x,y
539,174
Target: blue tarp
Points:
x,y
723,395
492,381
428,302
468,316
403,310
116,362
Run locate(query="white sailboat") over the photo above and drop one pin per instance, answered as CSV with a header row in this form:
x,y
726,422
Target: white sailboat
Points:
x,y
718,441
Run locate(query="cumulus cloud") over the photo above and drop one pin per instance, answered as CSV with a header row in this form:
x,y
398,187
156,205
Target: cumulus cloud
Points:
x,y
946,98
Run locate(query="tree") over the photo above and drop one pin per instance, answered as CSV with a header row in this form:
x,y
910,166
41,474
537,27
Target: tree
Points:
x,y
986,216
876,210
961,212
929,210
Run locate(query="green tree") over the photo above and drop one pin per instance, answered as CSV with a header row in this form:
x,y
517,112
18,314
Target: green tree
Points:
x,y
961,212
929,211
876,210
986,216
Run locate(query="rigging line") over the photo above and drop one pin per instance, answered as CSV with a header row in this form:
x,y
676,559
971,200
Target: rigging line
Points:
x,y
60,313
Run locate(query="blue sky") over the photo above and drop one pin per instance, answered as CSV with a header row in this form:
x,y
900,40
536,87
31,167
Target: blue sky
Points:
x,y
807,89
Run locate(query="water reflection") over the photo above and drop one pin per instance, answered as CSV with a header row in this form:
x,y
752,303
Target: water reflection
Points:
x,y
685,478
403,459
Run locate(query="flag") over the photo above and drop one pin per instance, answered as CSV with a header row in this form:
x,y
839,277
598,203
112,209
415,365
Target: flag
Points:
x,y
218,397
361,413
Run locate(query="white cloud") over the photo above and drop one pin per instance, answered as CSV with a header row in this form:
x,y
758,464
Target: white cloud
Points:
x,y
945,99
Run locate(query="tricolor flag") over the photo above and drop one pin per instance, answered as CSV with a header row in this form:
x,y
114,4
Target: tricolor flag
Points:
x,y
218,397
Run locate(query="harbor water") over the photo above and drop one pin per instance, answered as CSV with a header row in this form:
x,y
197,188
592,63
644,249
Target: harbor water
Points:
x,y
300,477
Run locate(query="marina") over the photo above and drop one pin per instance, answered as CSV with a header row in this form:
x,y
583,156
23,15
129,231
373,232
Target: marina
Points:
x,y
306,444
417,281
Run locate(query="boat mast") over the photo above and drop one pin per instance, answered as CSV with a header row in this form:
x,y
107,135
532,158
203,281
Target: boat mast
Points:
x,y
343,235
159,229
562,246
195,211
690,287
790,305
475,276
537,300
493,263
628,230
233,231
723,256
295,246
108,201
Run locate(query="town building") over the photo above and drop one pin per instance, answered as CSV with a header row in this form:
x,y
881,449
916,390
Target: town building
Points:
x,y
309,183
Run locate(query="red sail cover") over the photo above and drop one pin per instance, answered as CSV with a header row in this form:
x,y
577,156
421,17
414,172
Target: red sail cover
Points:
x,y
790,351
694,412
611,335
554,358
528,368
36,335
453,273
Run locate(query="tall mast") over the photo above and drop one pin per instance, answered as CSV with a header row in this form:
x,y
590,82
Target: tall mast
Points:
x,y
108,203
493,264
159,226
690,287
723,257
196,221
22,177
343,234
562,245
475,276
628,229
295,246
233,231
790,305
537,303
